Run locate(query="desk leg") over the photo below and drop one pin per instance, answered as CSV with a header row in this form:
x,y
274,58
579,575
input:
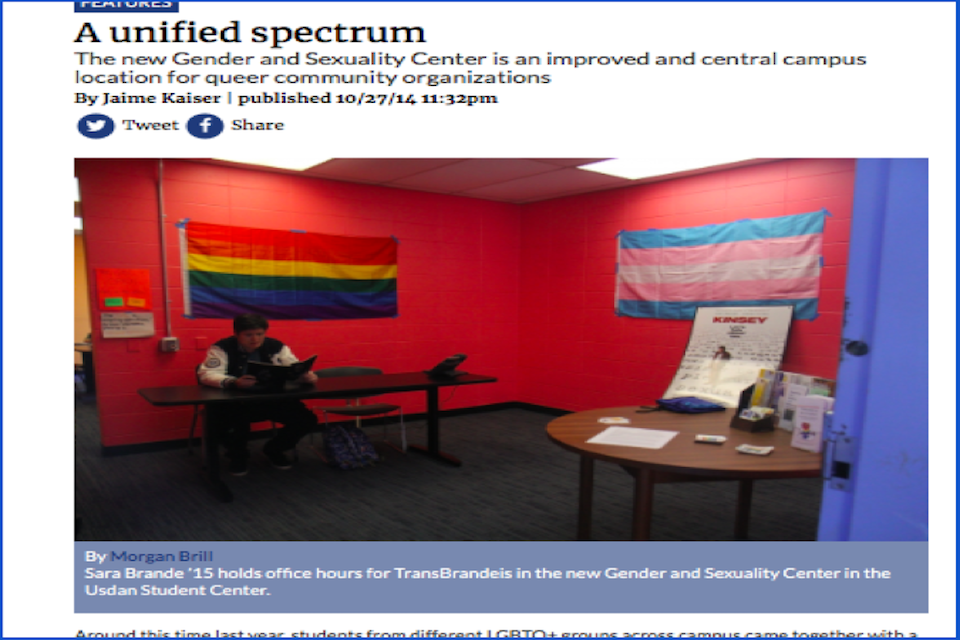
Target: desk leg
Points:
x,y
642,503
433,431
742,521
585,516
211,459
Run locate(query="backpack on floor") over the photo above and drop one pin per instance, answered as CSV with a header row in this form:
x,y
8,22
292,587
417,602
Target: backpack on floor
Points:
x,y
348,447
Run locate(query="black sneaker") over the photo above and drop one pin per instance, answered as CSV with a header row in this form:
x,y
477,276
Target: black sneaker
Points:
x,y
277,458
237,466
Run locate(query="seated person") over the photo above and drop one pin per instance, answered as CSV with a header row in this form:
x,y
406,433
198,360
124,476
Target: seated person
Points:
x,y
225,367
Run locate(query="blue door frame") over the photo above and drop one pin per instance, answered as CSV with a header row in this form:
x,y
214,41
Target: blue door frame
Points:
x,y
882,394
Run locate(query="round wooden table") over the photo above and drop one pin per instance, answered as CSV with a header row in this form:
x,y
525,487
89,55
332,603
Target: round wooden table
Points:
x,y
680,460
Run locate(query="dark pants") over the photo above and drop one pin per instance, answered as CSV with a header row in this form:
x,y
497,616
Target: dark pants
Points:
x,y
231,421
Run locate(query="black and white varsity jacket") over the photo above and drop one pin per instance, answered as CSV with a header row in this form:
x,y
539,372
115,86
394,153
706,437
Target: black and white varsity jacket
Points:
x,y
225,360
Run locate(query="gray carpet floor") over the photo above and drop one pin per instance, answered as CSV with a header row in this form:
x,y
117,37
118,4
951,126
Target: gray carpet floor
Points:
x,y
514,485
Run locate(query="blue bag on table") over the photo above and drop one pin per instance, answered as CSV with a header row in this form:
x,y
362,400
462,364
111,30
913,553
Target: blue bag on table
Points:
x,y
688,404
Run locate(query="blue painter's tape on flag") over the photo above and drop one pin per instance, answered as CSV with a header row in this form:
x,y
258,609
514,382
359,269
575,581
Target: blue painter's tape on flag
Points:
x,y
802,309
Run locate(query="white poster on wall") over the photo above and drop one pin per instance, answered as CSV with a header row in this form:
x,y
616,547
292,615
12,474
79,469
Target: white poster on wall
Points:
x,y
126,325
728,347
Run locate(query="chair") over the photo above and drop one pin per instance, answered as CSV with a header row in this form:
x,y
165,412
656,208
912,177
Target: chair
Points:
x,y
198,411
355,409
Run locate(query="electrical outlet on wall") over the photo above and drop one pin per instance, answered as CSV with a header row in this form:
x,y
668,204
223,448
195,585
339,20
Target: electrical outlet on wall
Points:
x,y
169,344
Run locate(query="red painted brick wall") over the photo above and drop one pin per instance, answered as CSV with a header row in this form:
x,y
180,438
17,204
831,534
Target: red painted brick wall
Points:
x,y
577,354
526,291
458,285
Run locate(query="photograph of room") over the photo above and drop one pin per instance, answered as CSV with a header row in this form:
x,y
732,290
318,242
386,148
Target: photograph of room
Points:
x,y
512,262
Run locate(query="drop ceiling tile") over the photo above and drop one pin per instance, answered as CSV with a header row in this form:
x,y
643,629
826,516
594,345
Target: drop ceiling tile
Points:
x,y
470,174
569,162
516,180
549,185
376,170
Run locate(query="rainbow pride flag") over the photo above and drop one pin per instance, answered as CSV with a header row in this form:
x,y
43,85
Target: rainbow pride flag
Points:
x,y
286,275
668,273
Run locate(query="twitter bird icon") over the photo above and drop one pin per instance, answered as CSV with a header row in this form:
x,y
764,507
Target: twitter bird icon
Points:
x,y
95,125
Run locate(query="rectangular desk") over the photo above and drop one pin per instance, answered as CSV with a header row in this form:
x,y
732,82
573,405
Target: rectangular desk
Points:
x,y
190,395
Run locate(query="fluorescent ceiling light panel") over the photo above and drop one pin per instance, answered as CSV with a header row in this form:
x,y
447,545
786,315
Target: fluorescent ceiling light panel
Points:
x,y
636,168
294,161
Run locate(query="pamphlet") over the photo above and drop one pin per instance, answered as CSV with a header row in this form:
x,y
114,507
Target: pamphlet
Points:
x,y
789,388
763,388
808,422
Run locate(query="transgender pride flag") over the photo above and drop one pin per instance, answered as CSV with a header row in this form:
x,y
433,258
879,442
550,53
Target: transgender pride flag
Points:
x,y
669,273
286,275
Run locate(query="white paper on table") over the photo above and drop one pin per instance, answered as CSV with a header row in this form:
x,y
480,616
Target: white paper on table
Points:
x,y
633,437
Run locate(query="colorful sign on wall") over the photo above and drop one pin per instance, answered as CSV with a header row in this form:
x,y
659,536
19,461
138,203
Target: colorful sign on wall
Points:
x,y
670,273
286,275
123,290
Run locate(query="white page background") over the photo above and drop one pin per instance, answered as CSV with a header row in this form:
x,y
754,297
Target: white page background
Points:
x,y
901,104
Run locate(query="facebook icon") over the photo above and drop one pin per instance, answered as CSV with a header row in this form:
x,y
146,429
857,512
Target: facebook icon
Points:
x,y
205,125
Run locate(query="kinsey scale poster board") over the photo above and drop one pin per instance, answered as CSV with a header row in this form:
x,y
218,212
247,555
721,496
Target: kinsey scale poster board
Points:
x,y
727,348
